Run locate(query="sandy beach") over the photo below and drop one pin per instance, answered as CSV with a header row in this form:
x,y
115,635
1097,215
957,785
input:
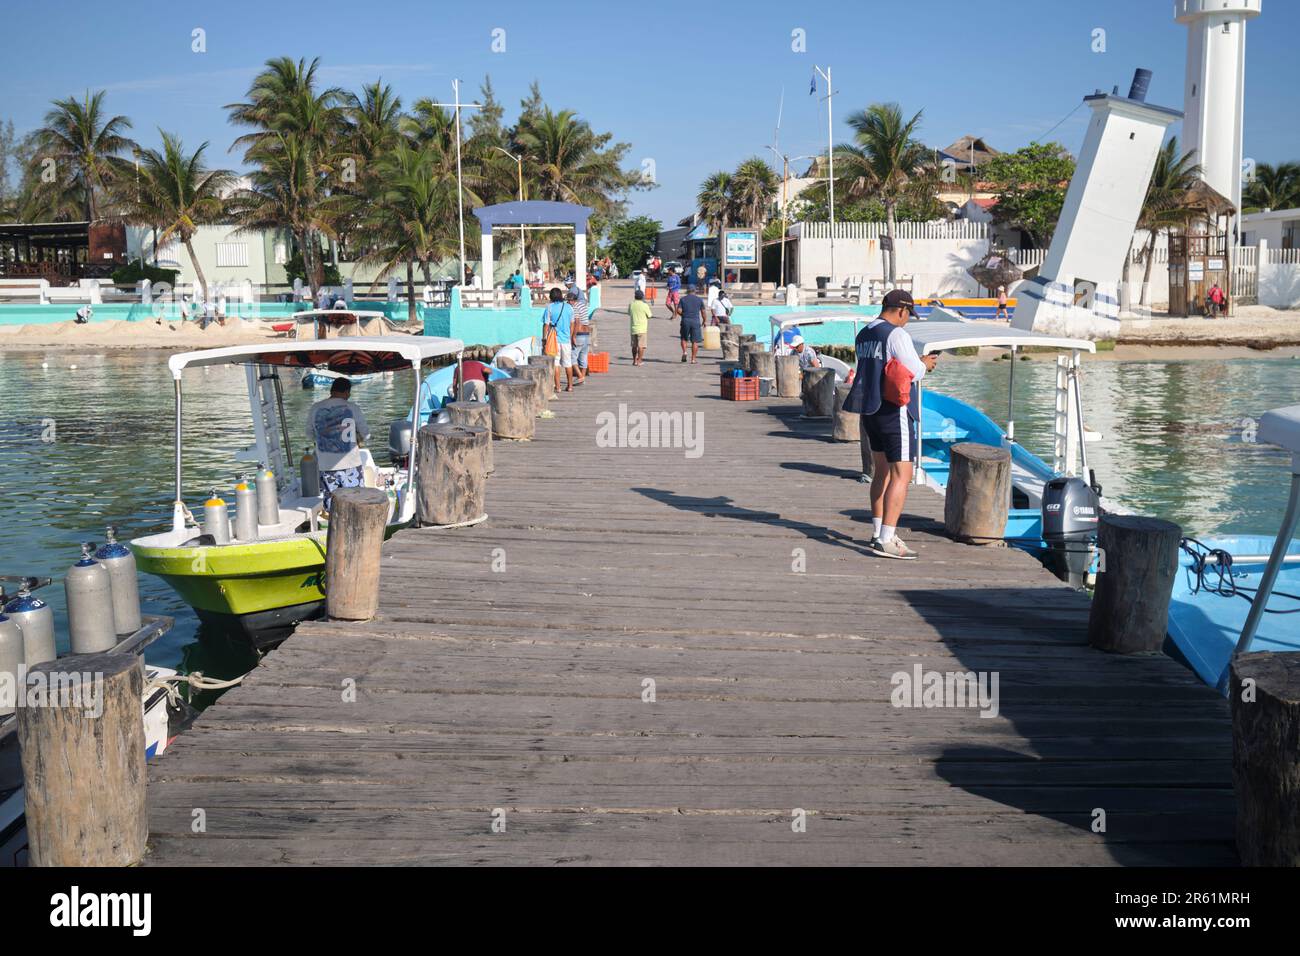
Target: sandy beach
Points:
x,y
119,334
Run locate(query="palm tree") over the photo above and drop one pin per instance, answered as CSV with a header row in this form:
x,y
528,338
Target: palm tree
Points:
x,y
176,194
86,146
1273,187
716,201
753,189
1172,176
566,161
410,217
881,162
297,144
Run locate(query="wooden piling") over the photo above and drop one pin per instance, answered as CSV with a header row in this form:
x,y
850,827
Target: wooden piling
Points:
x,y
452,474
475,413
788,377
84,772
1265,696
546,362
358,517
512,407
978,495
1130,608
848,425
536,375
730,348
818,391
762,363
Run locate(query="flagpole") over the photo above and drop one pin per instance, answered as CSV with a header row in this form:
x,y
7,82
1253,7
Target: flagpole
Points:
x,y
830,158
460,189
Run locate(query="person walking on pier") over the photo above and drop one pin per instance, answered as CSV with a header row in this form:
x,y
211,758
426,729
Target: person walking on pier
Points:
x,y
639,313
581,334
557,334
884,393
691,311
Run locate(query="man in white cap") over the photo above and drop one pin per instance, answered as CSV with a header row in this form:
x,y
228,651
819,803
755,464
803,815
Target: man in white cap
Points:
x,y
807,355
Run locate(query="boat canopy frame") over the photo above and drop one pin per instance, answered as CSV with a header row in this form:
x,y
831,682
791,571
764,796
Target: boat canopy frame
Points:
x,y
341,355
947,331
1281,427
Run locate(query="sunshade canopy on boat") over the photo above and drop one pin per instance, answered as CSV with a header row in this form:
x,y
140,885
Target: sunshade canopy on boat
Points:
x,y
942,336
1281,426
785,320
348,356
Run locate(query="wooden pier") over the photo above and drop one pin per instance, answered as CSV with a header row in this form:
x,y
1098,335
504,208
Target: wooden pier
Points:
x,y
506,679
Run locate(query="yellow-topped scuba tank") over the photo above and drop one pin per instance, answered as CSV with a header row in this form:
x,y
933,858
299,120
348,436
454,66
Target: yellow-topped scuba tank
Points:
x,y
245,510
216,519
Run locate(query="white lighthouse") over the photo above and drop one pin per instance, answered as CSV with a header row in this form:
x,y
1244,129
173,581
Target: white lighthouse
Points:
x,y
1214,92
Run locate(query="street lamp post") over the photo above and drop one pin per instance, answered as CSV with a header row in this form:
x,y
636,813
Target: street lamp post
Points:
x,y
519,161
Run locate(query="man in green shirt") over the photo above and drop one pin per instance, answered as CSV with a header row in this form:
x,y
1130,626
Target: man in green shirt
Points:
x,y
639,312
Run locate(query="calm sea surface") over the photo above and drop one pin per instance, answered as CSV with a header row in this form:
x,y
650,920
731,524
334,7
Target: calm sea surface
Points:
x,y
86,447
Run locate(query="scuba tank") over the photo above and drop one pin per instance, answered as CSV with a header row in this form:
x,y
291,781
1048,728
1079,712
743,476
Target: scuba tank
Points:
x,y
90,604
36,620
245,511
216,519
268,497
120,562
309,472
11,662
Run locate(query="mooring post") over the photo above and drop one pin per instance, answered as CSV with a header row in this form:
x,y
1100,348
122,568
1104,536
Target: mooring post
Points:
x,y
978,495
818,389
512,407
453,474
762,363
536,375
848,425
475,413
83,762
1138,558
1265,699
788,377
546,362
358,517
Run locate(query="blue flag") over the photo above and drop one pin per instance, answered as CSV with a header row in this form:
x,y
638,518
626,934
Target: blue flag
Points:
x,y
812,86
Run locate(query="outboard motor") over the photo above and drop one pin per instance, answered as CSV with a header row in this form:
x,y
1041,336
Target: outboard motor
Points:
x,y
399,441
1071,510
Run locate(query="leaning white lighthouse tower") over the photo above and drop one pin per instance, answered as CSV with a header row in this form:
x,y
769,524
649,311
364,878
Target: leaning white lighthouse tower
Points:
x,y
1214,92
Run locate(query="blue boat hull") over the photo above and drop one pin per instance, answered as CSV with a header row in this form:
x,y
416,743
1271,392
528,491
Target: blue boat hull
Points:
x,y
1204,626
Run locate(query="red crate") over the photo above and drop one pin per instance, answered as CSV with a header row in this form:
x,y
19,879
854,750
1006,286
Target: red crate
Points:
x,y
739,389
598,362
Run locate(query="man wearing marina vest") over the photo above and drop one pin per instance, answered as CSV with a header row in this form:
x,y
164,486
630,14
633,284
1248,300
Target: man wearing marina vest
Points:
x,y
886,355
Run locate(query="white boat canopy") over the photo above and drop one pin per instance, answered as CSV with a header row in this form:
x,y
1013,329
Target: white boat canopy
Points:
x,y
348,356
1281,427
942,336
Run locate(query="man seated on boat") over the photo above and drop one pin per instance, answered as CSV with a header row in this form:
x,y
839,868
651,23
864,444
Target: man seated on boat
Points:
x,y
338,428
807,354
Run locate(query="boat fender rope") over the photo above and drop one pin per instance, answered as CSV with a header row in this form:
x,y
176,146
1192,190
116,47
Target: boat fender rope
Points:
x,y
459,524
170,683
1220,579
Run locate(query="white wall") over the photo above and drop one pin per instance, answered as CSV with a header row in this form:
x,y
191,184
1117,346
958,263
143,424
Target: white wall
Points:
x,y
247,248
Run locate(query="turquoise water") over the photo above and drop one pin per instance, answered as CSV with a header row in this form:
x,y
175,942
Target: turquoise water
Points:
x,y
86,447
83,448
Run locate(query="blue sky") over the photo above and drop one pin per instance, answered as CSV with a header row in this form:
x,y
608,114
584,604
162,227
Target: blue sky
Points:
x,y
692,86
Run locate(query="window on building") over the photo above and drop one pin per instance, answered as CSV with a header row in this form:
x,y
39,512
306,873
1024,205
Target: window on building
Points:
x,y
281,254
231,255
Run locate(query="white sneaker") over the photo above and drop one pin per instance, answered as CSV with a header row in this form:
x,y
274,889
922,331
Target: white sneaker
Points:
x,y
892,548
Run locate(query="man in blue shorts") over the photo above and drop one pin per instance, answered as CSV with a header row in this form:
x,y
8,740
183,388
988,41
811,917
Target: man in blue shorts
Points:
x,y
691,310
892,429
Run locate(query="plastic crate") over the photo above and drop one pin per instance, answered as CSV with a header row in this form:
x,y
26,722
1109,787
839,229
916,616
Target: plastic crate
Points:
x,y
598,362
740,389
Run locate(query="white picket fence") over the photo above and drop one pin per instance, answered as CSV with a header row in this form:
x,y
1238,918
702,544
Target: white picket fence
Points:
x,y
958,229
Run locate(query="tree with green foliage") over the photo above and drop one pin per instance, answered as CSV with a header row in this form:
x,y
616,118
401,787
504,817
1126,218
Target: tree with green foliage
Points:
x,y
1172,176
1272,187
176,193
84,146
632,241
1031,185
